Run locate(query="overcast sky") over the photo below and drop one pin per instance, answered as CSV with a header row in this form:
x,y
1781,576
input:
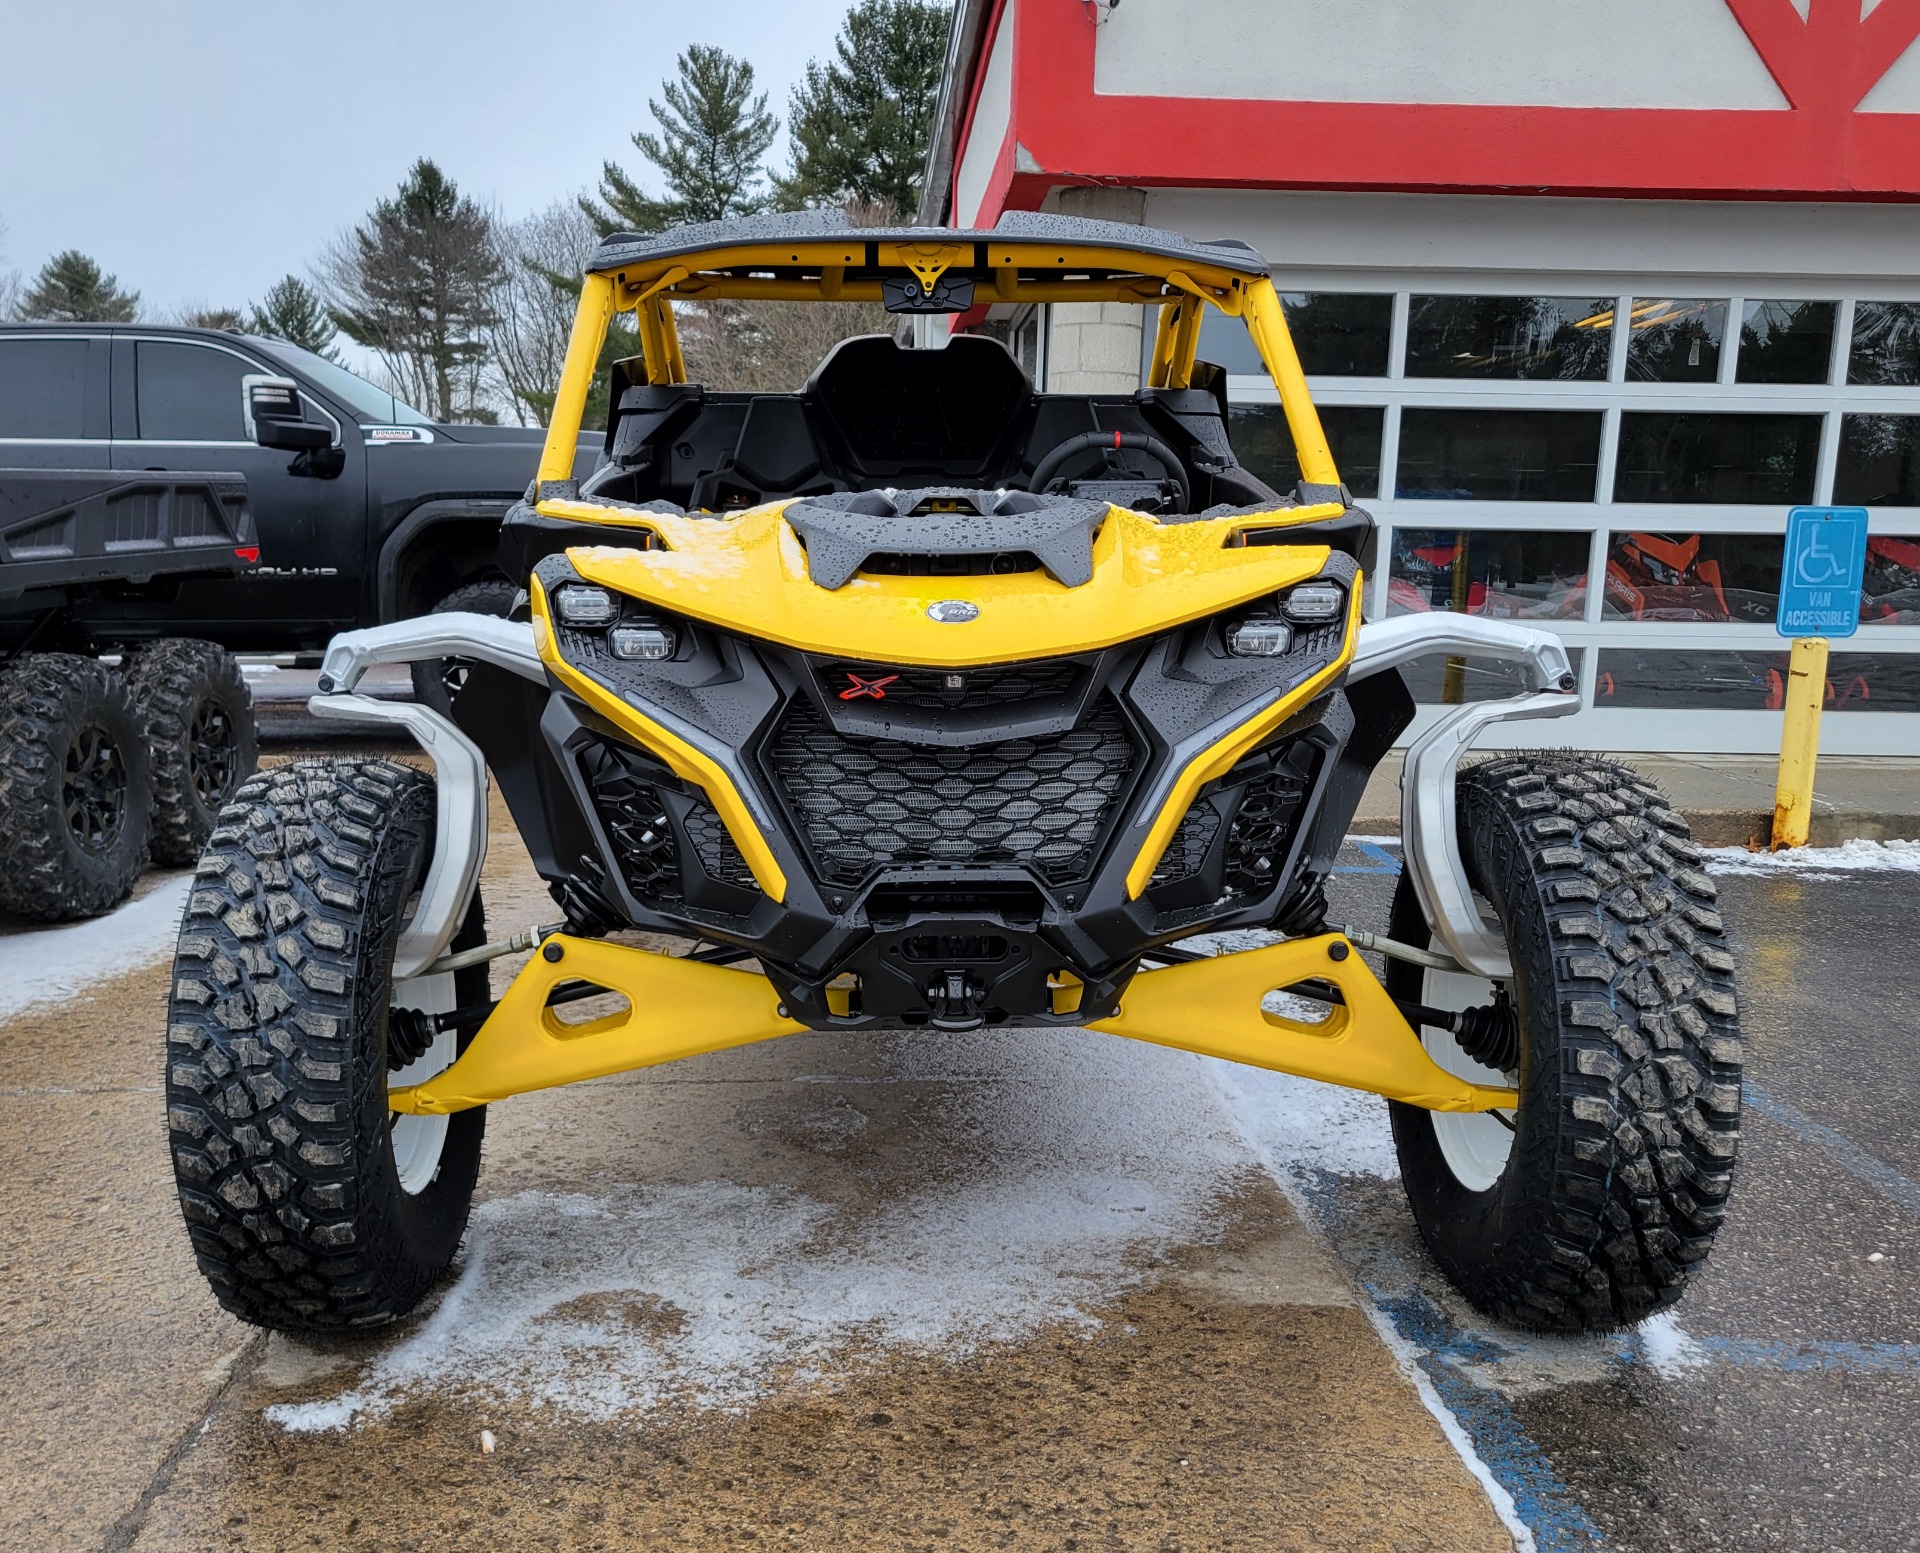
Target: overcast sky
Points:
x,y
201,149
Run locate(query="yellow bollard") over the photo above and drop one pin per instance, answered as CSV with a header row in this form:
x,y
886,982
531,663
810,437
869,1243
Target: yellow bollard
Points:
x,y
1799,742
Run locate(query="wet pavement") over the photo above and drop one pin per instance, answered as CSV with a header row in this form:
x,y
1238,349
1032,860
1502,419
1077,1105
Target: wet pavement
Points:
x,y
1032,1290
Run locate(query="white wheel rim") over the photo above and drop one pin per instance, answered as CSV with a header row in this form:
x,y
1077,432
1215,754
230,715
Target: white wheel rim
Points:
x,y
419,1141
1475,1144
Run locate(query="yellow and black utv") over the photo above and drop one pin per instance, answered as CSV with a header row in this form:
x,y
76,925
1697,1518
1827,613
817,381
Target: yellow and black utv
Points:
x,y
926,699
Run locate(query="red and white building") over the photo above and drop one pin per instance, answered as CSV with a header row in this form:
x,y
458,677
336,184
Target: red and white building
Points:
x,y
1590,292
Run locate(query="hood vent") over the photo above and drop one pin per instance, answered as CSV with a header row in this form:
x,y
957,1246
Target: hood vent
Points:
x,y
948,532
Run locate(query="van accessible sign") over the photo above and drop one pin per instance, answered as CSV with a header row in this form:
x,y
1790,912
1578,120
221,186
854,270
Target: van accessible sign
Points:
x,y
1820,574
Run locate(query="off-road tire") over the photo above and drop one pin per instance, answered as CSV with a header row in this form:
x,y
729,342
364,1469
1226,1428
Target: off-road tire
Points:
x,y
277,1053
431,679
67,720
200,735
1629,1117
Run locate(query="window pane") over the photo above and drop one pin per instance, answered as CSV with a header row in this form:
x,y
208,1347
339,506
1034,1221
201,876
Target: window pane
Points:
x,y
1890,587
1675,340
1224,341
1511,576
1498,455
1786,342
1693,577
1339,334
1751,681
1262,443
1765,459
1879,461
43,388
1886,343
1527,337
189,393
1437,680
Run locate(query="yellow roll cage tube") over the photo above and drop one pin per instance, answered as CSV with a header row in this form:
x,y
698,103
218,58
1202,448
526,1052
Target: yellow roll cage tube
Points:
x,y
678,1007
1023,271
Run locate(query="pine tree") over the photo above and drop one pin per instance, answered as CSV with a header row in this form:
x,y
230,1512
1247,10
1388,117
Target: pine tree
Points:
x,y
413,283
713,133
213,318
292,311
70,288
861,122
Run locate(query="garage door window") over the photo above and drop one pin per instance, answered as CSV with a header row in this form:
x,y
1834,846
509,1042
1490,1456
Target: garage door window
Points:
x,y
1566,338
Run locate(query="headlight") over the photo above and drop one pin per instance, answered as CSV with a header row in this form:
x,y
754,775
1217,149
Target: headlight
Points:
x,y
641,643
578,606
1313,603
1259,639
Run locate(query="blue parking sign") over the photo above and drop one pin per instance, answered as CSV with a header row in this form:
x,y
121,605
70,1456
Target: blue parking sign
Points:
x,y
1820,572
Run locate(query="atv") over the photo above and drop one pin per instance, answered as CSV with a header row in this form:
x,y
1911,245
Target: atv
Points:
x,y
925,700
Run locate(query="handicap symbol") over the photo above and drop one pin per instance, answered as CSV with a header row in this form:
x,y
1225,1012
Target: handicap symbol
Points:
x,y
1814,564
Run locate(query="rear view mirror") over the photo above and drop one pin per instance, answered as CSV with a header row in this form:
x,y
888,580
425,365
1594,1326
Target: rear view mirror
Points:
x,y
277,419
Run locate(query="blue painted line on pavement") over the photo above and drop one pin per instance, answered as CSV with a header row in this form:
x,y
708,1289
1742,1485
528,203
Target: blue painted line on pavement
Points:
x,y
1540,1495
1793,1356
1837,1146
1380,860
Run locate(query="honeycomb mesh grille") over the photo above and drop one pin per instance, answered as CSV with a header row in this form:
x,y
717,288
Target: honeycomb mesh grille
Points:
x,y
868,803
629,806
928,690
1186,854
714,845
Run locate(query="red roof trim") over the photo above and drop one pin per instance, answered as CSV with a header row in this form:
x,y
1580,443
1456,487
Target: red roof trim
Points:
x,y
1818,149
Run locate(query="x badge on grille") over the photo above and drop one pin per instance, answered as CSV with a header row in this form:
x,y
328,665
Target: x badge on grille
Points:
x,y
876,689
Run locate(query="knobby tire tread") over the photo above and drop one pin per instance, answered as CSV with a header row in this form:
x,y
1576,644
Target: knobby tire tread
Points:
x,y
43,872
277,1070
168,680
1630,1116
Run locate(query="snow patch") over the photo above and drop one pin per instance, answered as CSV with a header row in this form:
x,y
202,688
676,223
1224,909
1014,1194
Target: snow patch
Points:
x,y
1074,1163
1297,1126
52,964
1667,1350
1851,856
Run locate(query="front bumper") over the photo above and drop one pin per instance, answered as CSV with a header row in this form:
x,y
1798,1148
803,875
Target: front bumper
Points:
x,y
949,941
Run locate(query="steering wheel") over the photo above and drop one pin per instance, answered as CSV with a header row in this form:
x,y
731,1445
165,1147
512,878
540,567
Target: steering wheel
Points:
x,y
1048,469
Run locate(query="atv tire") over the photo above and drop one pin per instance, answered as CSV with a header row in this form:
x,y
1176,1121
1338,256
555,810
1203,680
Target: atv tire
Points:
x,y
200,735
74,788
311,1206
437,681
1599,1203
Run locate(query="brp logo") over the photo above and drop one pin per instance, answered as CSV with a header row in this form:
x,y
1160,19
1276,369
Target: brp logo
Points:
x,y
868,689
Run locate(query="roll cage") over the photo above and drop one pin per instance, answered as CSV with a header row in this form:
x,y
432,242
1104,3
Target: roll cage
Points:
x,y
1026,258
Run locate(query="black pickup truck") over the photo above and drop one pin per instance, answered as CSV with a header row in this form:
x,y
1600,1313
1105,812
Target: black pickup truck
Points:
x,y
394,516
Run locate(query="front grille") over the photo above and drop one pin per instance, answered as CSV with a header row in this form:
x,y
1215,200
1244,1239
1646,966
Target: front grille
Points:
x,y
714,845
1263,829
945,690
1272,791
1187,853
627,799
873,803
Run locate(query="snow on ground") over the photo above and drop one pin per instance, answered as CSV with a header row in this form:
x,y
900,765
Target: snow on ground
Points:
x,y
1058,1169
1817,862
49,964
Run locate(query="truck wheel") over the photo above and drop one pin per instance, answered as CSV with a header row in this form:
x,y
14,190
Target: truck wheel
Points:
x,y
311,1206
200,734
436,683
74,788
1592,1205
